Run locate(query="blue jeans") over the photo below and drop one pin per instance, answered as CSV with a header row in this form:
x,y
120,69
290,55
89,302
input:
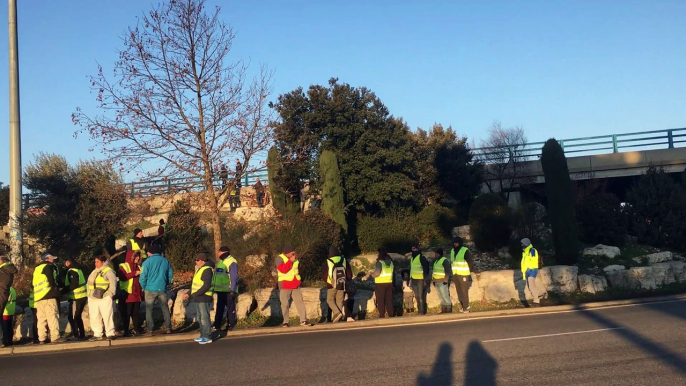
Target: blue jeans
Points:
x,y
161,298
443,291
204,320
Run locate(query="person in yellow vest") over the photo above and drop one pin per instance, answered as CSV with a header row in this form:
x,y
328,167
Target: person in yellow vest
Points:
x,y
136,243
102,290
419,278
530,267
8,319
383,284
130,294
75,291
46,293
288,270
462,266
441,279
337,274
201,295
7,272
225,285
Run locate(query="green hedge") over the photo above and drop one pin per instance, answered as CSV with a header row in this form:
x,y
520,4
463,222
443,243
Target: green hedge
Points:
x,y
490,222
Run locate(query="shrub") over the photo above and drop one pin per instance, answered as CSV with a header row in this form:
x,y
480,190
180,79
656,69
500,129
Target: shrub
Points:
x,y
490,222
435,222
657,207
394,232
333,203
602,220
560,194
185,238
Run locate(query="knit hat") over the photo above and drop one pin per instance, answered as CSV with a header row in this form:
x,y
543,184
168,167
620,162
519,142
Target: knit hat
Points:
x,y
48,255
201,257
224,248
526,242
457,240
287,249
137,231
154,248
439,251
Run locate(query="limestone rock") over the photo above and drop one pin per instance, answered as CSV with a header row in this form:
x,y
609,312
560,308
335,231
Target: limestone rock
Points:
x,y
644,276
504,253
592,284
502,286
655,258
679,270
602,250
462,231
475,293
612,268
255,261
663,273
244,305
268,301
563,278
622,278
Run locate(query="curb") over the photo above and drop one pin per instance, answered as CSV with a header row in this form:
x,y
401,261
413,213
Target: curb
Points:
x,y
265,331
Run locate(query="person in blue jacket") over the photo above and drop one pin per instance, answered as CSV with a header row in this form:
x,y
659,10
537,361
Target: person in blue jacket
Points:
x,y
156,276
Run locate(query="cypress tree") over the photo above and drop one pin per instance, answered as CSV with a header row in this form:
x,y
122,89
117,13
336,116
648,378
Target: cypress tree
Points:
x,y
560,194
333,202
278,196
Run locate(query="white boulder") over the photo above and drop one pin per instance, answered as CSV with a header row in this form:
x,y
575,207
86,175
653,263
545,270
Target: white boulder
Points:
x,y
592,284
612,268
655,258
603,250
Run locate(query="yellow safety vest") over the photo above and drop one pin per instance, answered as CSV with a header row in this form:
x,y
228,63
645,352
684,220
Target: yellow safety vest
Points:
x,y
11,306
439,272
294,273
100,281
40,283
126,285
80,291
198,283
416,268
330,263
221,281
458,263
136,247
386,275
529,259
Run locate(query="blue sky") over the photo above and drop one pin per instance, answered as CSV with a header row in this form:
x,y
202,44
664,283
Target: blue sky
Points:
x,y
558,68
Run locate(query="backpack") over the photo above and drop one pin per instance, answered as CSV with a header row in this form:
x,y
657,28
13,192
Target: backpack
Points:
x,y
338,275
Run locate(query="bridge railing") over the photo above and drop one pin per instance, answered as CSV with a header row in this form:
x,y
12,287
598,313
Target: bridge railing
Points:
x,y
602,144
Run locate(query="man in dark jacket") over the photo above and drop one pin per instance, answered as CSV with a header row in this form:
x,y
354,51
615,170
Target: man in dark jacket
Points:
x,y
75,290
334,292
46,293
201,294
462,266
7,272
420,279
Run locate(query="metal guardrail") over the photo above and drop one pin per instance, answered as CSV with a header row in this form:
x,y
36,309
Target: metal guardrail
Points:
x,y
602,144
189,184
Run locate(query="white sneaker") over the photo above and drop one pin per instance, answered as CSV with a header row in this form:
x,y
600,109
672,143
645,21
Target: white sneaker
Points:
x,y
350,320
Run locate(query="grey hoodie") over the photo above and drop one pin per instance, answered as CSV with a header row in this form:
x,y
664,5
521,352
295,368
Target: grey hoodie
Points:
x,y
110,276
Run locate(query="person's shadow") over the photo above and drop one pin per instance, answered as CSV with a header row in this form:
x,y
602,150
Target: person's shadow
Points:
x,y
480,366
442,371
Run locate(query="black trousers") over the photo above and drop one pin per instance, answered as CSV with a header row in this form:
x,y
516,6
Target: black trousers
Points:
x,y
4,297
225,303
7,330
130,313
384,299
75,317
462,288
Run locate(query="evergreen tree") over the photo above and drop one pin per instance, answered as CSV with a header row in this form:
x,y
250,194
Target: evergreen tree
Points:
x,y
273,167
333,201
560,194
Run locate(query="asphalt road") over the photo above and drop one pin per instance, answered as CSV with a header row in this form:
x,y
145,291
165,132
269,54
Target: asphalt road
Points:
x,y
626,345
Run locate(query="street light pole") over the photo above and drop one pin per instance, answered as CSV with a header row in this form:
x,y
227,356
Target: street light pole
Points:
x,y
15,141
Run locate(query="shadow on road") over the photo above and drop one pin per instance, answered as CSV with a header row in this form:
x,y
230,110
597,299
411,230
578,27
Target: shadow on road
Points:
x,y
480,366
658,351
442,371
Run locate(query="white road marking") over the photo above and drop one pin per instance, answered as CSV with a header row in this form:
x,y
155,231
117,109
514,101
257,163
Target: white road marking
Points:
x,y
548,335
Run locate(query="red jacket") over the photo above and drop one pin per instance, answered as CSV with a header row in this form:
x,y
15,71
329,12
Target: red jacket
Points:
x,y
136,291
284,268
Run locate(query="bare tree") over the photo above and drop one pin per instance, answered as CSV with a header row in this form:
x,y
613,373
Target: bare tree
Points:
x,y
503,155
176,106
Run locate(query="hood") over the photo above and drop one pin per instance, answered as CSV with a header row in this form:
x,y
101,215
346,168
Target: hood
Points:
x,y
333,251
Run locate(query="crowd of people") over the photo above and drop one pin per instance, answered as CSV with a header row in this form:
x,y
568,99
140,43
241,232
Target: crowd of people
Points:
x,y
146,275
